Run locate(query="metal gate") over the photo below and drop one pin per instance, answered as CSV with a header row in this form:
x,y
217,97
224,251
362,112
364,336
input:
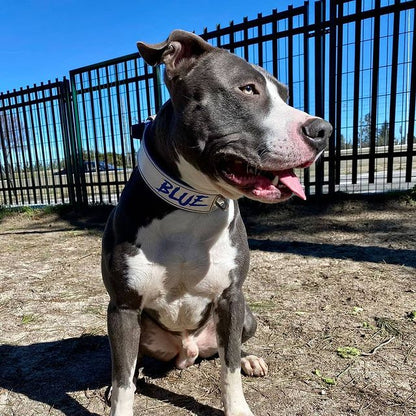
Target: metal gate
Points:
x,y
38,152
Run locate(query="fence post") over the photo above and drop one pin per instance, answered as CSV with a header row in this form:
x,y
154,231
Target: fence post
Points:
x,y
65,122
75,160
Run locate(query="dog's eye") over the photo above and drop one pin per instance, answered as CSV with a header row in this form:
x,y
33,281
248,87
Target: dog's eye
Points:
x,y
249,89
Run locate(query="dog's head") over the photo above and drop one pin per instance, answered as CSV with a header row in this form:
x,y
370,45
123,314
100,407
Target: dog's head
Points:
x,y
248,139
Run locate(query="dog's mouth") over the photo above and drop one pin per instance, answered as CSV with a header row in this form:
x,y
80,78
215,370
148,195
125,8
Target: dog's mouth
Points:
x,y
264,185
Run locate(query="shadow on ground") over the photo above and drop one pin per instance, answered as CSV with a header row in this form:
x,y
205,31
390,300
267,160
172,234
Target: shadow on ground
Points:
x,y
48,372
372,254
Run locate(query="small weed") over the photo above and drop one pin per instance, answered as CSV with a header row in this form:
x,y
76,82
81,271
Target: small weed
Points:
x,y
348,352
28,319
356,310
367,325
327,380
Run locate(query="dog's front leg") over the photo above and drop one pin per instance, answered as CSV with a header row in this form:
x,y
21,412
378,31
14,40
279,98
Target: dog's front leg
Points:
x,y
229,323
124,334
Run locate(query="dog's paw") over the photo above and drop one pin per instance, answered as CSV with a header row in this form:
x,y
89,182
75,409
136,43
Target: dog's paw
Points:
x,y
253,366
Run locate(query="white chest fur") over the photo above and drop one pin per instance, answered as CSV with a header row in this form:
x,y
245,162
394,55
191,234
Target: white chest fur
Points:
x,y
183,265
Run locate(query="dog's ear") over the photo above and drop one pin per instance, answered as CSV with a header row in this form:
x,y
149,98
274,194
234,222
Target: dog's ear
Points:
x,y
178,52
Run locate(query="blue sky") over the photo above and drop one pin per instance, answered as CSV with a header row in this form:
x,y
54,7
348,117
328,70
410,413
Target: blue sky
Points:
x,y
44,39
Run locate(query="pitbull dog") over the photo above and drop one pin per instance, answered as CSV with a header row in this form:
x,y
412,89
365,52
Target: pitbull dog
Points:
x,y
175,252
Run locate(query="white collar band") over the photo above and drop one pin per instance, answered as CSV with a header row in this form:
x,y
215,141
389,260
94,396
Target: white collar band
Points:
x,y
173,192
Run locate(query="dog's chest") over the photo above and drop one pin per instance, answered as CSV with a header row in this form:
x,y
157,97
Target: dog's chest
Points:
x,y
183,265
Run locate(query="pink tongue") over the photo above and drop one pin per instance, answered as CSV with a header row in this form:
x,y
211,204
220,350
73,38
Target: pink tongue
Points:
x,y
291,181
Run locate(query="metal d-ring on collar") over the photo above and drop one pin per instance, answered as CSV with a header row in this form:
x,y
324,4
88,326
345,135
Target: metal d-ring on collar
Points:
x,y
175,193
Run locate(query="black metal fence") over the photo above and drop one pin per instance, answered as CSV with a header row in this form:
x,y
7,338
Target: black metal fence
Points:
x,y
351,62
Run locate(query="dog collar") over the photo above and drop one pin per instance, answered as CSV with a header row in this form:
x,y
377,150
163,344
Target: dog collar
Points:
x,y
173,192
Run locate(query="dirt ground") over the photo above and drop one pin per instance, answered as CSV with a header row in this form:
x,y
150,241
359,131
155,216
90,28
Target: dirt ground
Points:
x,y
332,283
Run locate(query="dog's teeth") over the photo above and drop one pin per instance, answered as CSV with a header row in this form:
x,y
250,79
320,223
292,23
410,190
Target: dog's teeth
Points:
x,y
275,181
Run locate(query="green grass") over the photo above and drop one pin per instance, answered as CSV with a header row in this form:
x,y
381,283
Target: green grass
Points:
x,y
28,319
348,352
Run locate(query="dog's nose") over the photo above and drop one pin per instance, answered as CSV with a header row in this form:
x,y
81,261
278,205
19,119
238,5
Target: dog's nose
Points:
x,y
317,132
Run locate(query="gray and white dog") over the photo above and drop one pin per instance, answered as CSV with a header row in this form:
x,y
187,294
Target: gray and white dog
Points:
x,y
175,252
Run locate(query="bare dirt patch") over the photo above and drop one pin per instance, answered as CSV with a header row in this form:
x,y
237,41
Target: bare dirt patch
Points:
x,y
332,283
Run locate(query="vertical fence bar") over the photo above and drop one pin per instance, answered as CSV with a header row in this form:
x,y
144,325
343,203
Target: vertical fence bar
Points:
x,y
35,144
86,164
56,135
43,154
146,81
412,103
338,123
274,44
75,161
246,51
393,92
333,96
290,53
232,37
157,82
136,74
259,37
306,62
374,95
69,129
129,111
319,84
357,67
49,139
306,85
66,126
120,106
219,43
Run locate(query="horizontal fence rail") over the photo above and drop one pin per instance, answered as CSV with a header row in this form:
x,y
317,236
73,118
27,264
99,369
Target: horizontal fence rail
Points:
x,y
351,62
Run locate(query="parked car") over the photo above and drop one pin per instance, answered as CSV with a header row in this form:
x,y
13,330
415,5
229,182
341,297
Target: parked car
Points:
x,y
90,166
105,166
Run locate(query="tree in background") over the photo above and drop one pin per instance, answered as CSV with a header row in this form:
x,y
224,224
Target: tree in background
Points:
x,y
382,135
364,131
